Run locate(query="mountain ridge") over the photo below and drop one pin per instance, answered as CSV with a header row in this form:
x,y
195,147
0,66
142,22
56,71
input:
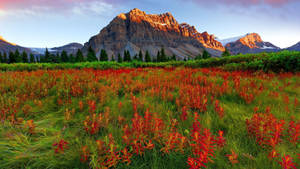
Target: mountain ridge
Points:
x,y
136,30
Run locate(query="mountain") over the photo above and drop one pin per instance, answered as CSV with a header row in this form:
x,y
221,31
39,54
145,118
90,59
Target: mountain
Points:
x,y
6,47
69,48
136,30
295,47
251,43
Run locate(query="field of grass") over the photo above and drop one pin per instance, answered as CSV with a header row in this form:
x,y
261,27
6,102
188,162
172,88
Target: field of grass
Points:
x,y
149,118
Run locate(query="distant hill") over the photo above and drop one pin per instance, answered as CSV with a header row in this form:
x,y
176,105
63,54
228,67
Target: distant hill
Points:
x,y
69,48
295,47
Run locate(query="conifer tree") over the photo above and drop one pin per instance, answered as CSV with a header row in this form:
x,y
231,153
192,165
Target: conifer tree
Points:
x,y
163,56
103,55
226,53
24,57
158,58
140,56
120,60
113,58
147,57
12,58
174,57
91,56
198,57
64,57
1,58
205,55
127,57
17,56
47,56
135,57
56,58
32,60
72,58
5,59
79,56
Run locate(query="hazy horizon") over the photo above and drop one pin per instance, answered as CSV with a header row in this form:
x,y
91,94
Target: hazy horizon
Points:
x,y
41,23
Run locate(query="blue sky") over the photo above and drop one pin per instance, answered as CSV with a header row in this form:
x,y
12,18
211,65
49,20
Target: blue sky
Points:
x,y
44,23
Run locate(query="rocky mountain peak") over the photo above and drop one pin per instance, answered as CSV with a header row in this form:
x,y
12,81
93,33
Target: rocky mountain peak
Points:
x,y
137,30
251,40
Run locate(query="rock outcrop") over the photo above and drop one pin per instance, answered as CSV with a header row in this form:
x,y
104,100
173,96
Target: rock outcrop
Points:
x,y
136,30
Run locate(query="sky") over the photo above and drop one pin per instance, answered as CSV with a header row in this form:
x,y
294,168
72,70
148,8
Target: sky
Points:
x,y
52,23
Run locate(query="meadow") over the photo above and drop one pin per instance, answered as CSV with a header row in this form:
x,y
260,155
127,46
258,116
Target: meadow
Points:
x,y
150,117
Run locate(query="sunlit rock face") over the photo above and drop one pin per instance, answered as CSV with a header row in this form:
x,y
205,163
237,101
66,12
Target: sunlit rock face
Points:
x,y
136,30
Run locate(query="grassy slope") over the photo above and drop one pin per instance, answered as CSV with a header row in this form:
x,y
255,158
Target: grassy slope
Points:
x,y
19,149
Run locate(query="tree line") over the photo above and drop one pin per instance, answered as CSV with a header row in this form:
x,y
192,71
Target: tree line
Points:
x,y
64,57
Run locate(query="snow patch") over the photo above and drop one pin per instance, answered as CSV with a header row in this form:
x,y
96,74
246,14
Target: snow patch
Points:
x,y
158,23
267,47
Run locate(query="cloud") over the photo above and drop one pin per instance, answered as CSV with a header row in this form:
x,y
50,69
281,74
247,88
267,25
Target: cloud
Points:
x,y
274,3
44,7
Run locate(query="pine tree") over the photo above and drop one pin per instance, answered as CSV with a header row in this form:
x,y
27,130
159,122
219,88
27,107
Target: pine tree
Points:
x,y
147,57
12,58
135,58
72,58
103,55
32,60
91,56
47,56
56,58
140,56
158,56
5,59
41,59
184,59
174,57
198,57
24,57
113,58
120,60
226,53
127,57
1,58
17,56
206,55
163,56
79,56
64,57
